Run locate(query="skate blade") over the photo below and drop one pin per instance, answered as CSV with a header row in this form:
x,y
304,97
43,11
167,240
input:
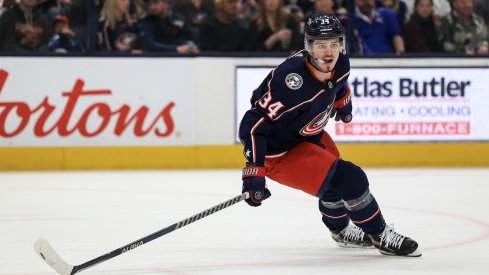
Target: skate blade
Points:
x,y
415,253
348,245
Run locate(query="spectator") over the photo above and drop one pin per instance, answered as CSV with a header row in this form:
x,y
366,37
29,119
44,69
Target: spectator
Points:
x,y
342,3
377,28
64,39
116,30
398,7
305,5
75,10
99,4
440,7
273,29
462,31
481,7
6,4
136,10
223,32
163,32
322,7
59,7
195,12
419,33
298,16
24,28
79,19
247,11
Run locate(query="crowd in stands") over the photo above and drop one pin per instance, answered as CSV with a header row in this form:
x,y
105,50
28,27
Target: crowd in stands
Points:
x,y
194,26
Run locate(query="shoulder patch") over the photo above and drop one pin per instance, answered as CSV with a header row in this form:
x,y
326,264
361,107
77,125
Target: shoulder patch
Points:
x,y
293,81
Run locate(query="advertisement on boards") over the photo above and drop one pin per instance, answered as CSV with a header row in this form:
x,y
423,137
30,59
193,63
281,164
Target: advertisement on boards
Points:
x,y
95,102
401,104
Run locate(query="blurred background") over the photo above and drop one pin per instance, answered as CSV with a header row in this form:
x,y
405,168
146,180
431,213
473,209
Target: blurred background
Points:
x,y
120,117
133,84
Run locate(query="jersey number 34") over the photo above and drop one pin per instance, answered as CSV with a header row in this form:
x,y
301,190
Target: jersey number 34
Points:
x,y
272,108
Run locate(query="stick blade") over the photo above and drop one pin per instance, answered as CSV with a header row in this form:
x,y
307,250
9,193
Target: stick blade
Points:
x,y
47,253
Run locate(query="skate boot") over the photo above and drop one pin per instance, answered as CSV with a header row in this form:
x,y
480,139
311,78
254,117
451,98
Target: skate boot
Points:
x,y
392,243
351,237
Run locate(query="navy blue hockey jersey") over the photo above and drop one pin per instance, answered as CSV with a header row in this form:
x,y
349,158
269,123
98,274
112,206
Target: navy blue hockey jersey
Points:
x,y
291,106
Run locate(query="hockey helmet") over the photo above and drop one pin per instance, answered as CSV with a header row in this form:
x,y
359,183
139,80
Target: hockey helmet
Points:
x,y
320,27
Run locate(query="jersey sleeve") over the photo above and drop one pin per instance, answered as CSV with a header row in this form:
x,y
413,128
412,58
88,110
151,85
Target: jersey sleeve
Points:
x,y
267,98
253,130
269,109
343,96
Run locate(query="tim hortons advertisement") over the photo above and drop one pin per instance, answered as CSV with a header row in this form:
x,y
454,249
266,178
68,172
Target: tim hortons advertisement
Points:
x,y
403,104
103,102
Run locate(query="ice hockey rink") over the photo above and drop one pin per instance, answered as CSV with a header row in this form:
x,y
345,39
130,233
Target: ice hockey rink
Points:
x,y
87,214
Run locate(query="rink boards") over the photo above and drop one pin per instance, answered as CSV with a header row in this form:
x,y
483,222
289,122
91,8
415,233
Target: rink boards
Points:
x,y
153,113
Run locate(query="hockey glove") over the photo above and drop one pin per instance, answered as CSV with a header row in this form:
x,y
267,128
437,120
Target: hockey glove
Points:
x,y
344,113
254,183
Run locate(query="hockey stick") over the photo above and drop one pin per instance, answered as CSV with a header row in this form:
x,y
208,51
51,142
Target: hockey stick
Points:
x,y
46,251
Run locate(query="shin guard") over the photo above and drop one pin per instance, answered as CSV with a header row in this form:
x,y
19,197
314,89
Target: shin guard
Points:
x,y
351,183
365,213
333,211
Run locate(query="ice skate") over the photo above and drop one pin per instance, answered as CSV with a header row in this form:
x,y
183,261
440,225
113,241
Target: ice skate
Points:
x,y
351,237
392,243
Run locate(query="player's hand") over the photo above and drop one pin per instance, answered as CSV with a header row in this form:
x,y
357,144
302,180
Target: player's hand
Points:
x,y
344,113
254,183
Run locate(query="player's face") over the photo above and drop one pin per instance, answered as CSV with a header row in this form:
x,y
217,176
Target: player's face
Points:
x,y
325,53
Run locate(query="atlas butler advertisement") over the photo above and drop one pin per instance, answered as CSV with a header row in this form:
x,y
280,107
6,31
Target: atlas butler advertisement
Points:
x,y
405,104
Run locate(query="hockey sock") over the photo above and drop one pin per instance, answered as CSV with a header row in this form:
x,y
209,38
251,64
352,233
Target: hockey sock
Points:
x,y
333,211
351,183
365,213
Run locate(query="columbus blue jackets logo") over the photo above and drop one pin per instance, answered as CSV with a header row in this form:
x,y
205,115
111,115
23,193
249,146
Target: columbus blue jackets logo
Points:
x,y
293,81
317,124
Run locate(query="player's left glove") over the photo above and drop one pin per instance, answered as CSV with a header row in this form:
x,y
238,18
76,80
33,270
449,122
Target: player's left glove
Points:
x,y
344,113
254,183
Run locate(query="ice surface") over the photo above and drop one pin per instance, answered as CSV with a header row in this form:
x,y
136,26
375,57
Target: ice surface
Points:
x,y
86,214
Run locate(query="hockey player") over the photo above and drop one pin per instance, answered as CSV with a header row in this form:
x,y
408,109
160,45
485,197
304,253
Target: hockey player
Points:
x,y
284,140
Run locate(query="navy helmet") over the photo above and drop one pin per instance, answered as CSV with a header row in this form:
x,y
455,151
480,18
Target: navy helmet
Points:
x,y
322,26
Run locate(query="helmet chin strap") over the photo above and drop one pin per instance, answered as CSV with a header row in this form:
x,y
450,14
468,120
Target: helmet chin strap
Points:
x,y
320,61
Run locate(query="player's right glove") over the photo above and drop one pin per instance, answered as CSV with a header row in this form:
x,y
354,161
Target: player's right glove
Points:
x,y
344,113
254,183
